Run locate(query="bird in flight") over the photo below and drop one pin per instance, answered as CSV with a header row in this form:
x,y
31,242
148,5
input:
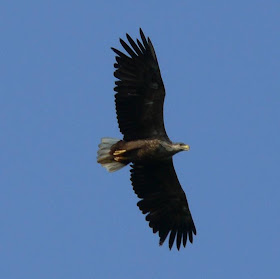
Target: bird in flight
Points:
x,y
145,145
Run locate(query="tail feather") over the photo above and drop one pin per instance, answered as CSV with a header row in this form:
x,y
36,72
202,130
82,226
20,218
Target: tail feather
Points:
x,y
104,156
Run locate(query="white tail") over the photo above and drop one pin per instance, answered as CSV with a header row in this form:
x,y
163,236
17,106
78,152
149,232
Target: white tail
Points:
x,y
105,158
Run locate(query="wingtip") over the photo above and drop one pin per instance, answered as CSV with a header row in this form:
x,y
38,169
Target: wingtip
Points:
x,y
141,32
190,237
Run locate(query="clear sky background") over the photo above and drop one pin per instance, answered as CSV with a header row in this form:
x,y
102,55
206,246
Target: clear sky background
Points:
x,y
62,215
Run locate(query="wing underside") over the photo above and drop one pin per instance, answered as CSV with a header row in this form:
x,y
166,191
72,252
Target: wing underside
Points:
x,y
140,91
164,201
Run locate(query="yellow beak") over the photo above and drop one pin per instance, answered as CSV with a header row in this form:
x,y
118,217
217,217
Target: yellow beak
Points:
x,y
186,147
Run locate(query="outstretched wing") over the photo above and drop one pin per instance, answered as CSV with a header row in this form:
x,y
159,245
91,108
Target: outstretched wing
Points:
x,y
163,198
140,91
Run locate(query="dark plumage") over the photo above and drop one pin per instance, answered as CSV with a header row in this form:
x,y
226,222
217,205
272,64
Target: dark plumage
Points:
x,y
139,106
140,91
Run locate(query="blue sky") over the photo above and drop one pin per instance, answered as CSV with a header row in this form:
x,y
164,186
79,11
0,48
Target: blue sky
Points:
x,y
62,215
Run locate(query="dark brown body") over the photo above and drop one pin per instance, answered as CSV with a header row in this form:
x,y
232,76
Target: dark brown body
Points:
x,y
141,151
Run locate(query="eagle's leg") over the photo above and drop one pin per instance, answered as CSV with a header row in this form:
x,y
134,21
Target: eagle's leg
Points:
x,y
117,156
118,152
120,159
